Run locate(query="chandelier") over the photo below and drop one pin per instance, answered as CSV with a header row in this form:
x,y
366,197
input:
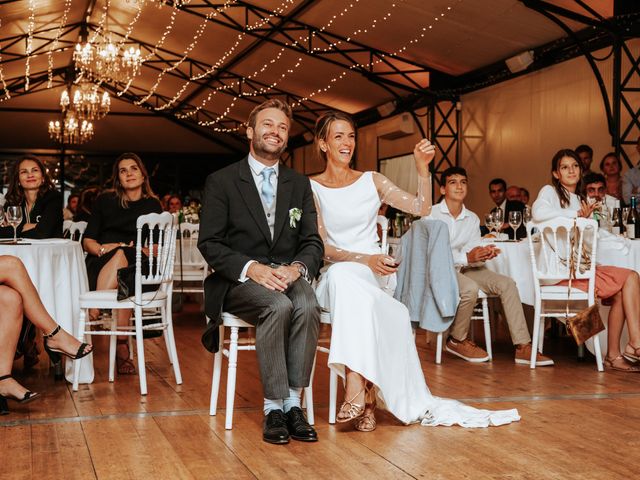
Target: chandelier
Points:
x,y
103,61
86,101
70,130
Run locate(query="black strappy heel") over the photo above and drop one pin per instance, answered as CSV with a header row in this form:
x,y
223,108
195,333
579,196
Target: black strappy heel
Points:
x,y
29,396
55,354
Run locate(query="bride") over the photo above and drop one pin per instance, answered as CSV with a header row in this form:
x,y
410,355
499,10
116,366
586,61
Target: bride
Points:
x,y
372,344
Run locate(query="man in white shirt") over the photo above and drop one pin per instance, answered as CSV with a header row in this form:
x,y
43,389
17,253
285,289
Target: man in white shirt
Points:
x,y
469,255
631,180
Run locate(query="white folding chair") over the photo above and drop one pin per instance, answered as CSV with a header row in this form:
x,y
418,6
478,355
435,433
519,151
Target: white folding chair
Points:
x,y
161,235
234,324
550,266
74,230
480,312
190,268
325,317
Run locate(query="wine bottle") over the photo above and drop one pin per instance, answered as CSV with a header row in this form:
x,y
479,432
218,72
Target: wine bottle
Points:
x,y
616,225
631,220
636,215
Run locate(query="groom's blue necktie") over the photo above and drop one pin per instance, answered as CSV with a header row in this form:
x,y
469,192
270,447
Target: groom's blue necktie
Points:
x,y
267,189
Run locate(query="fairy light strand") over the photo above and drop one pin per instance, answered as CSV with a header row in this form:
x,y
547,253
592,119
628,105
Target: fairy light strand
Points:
x,y
30,29
54,45
7,95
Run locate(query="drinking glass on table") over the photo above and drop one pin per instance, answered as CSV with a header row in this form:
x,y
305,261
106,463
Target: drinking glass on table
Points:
x,y
515,220
488,222
14,218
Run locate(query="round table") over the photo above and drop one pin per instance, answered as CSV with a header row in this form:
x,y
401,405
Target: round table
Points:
x,y
57,269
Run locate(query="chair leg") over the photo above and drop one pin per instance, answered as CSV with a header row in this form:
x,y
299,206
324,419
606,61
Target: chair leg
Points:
x,y
112,345
598,352
142,372
536,334
308,395
333,395
167,319
439,348
231,377
487,327
76,364
217,368
167,343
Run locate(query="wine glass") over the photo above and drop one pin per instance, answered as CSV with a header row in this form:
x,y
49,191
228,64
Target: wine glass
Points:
x,y
515,219
14,218
499,218
526,215
488,221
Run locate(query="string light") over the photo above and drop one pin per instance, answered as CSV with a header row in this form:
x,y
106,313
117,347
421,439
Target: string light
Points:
x,y
30,28
7,95
54,45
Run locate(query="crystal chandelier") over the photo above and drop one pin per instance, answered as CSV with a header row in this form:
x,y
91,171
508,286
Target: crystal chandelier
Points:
x,y
103,62
70,130
86,101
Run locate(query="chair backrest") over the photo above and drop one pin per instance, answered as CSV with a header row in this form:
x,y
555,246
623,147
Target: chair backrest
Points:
x,y
188,254
74,230
384,228
551,262
158,231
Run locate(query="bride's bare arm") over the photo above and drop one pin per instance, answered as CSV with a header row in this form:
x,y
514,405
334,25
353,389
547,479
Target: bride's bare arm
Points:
x,y
419,204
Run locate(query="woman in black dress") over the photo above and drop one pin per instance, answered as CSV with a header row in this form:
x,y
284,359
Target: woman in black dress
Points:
x,y
32,189
110,237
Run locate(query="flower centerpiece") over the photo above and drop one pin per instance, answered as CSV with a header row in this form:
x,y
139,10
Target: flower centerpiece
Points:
x,y
190,213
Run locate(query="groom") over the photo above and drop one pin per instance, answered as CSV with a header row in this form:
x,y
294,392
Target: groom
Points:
x,y
259,233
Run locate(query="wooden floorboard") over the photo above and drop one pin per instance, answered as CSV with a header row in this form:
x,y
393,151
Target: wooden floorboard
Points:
x,y
577,423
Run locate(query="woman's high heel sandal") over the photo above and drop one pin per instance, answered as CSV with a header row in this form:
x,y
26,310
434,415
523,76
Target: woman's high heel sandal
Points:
x,y
633,357
55,354
349,410
28,397
367,423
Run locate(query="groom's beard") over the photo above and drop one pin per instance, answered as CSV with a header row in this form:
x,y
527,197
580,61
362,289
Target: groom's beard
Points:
x,y
266,150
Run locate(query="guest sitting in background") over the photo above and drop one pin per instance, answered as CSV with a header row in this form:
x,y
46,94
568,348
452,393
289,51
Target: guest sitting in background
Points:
x,y
631,180
611,167
498,192
19,297
524,195
619,287
514,194
31,189
469,256
585,153
87,197
71,208
175,204
164,202
110,237
594,187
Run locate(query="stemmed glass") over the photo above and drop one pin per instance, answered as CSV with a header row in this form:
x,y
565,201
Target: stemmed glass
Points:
x,y
14,218
489,222
526,215
515,219
499,219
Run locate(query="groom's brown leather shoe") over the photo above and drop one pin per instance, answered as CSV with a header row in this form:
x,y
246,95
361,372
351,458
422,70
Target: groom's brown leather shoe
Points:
x,y
275,428
299,428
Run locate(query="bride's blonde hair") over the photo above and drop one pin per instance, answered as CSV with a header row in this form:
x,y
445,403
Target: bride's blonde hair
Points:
x,y
322,128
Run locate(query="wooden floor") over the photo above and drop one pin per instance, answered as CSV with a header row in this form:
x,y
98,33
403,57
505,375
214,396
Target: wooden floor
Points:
x,y
576,424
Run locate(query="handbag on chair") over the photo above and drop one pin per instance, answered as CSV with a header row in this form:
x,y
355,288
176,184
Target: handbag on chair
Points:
x,y
586,323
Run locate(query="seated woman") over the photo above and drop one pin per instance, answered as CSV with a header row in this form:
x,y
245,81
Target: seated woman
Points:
x,y
19,297
372,343
110,237
85,204
611,167
31,188
618,286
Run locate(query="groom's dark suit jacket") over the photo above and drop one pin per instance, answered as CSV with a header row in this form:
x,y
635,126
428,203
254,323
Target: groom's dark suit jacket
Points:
x,y
234,230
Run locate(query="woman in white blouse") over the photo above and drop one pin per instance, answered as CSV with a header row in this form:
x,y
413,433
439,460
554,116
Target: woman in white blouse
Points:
x,y
618,287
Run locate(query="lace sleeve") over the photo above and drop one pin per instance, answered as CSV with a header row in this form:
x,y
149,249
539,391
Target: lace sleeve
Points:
x,y
333,254
419,204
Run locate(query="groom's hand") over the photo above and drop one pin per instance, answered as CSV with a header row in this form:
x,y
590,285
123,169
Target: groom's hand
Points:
x,y
288,273
267,277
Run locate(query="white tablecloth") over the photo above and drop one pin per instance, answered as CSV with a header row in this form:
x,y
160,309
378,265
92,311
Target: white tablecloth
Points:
x,y
515,262
58,271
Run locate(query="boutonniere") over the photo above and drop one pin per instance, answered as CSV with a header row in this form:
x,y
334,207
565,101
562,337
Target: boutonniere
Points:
x,y
295,214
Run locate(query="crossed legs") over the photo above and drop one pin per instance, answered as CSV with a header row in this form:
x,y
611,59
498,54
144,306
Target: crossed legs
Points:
x,y
625,306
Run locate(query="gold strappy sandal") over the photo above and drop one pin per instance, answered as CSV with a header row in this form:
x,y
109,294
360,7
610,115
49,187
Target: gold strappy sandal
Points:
x,y
349,410
367,423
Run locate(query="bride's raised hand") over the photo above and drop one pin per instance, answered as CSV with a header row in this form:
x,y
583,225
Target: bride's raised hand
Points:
x,y
382,264
423,154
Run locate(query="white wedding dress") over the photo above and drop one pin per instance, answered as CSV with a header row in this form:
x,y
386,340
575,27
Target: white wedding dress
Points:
x,y
371,332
